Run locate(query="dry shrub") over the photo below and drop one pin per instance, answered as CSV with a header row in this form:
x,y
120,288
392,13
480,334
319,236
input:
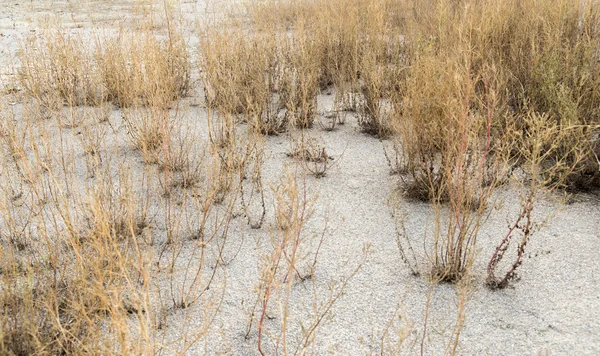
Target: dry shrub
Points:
x,y
544,56
541,58
140,69
237,166
80,282
56,64
381,65
548,167
446,134
477,72
423,117
290,262
354,45
297,49
240,76
182,159
299,85
311,154
549,54
252,192
337,45
256,75
376,105
149,129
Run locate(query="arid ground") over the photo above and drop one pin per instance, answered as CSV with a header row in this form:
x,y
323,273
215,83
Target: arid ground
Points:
x,y
252,248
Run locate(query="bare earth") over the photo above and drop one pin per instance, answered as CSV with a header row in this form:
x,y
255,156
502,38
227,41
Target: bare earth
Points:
x,y
554,307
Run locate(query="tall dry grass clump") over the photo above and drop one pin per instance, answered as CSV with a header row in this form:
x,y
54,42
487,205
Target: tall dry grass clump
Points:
x,y
241,74
542,56
74,266
451,80
56,68
140,69
477,73
451,153
131,68
294,50
549,54
300,76
75,252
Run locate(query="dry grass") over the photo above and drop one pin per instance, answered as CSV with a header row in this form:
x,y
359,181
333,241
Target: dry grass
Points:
x,y
140,69
465,93
77,254
477,73
540,146
75,263
292,51
240,76
456,82
56,68
291,261
136,68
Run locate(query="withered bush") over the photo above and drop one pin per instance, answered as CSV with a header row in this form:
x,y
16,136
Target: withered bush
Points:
x,y
297,49
140,69
127,69
57,65
241,73
476,72
299,85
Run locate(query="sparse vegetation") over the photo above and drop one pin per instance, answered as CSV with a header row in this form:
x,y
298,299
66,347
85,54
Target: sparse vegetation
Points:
x,y
129,156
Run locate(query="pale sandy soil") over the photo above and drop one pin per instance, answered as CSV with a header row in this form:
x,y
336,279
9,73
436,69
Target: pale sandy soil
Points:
x,y
554,307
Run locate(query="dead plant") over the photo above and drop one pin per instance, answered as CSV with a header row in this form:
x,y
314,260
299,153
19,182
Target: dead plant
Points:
x,y
539,152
